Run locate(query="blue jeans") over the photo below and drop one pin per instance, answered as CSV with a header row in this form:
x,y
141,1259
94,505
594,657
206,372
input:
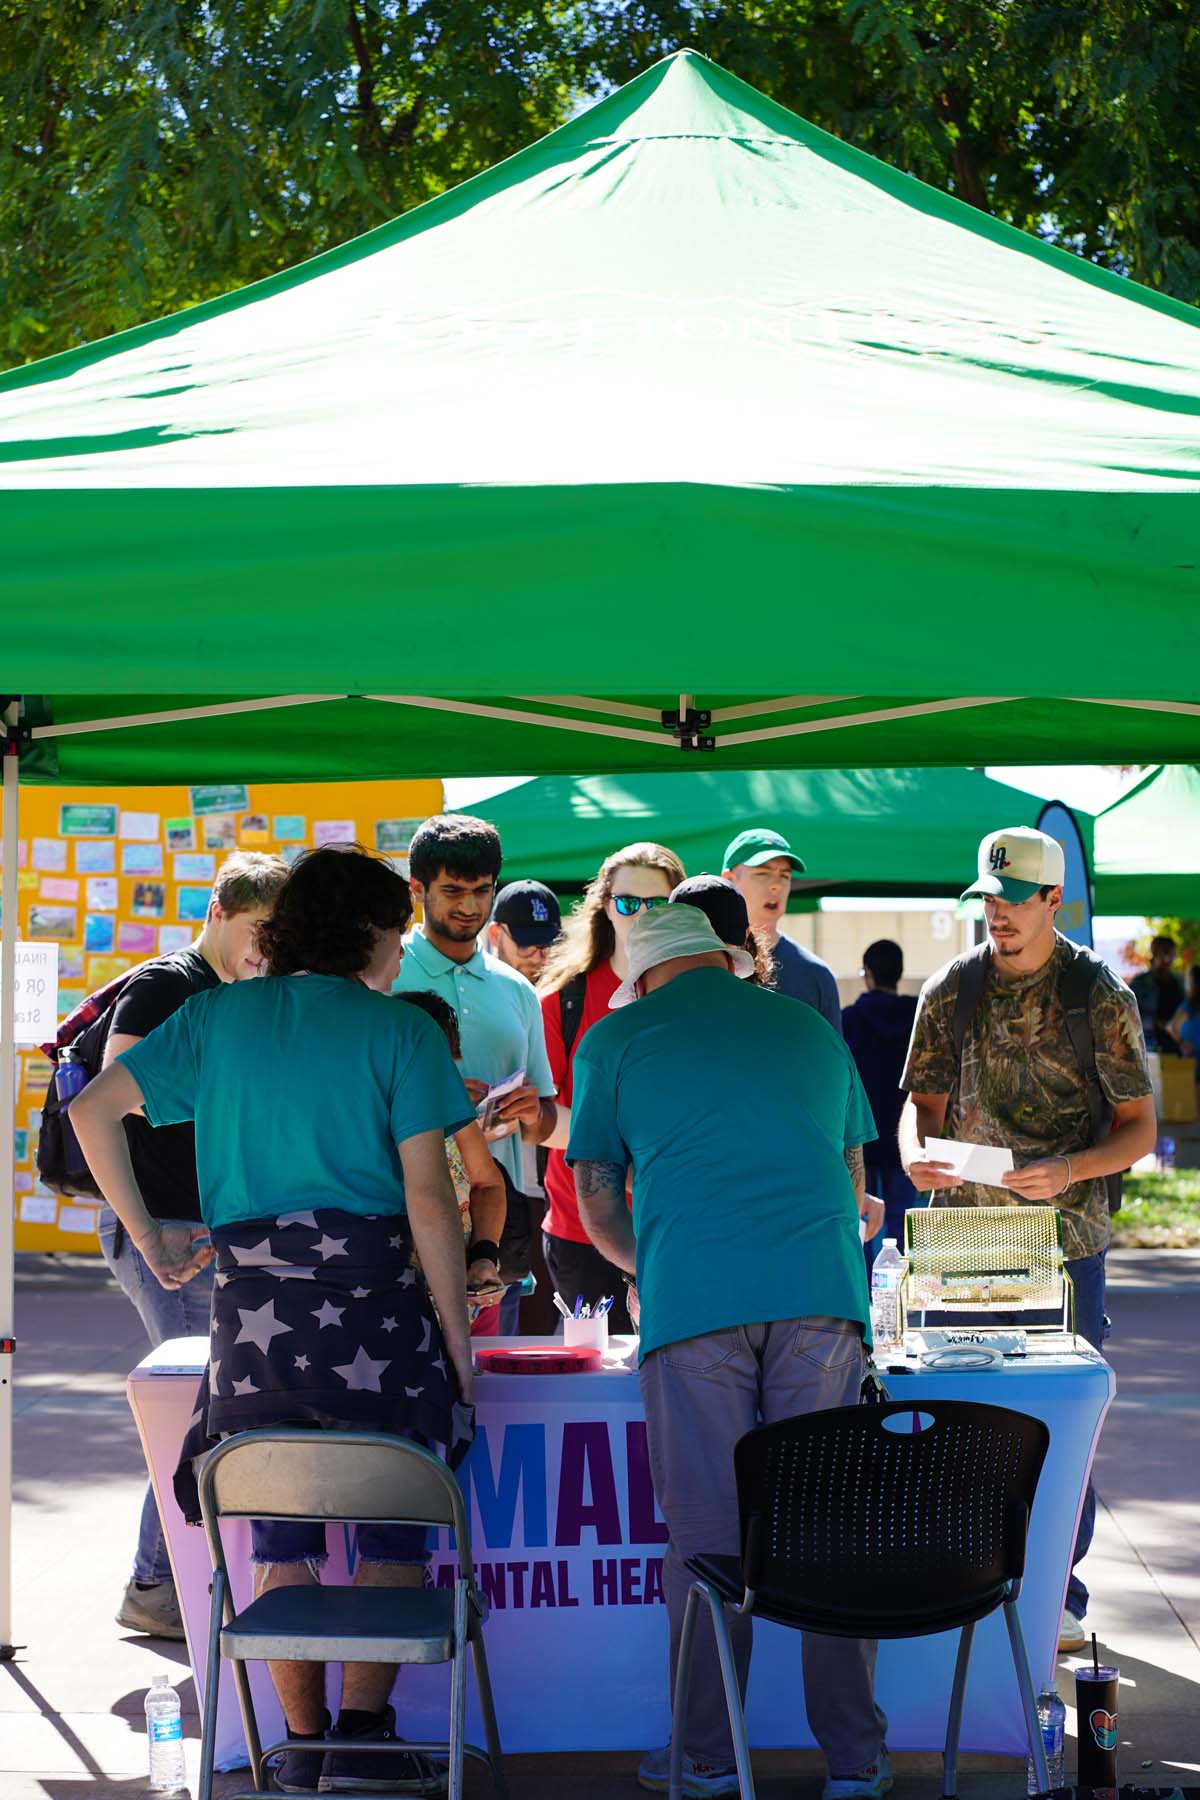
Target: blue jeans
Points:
x,y
897,1192
166,1313
1087,1273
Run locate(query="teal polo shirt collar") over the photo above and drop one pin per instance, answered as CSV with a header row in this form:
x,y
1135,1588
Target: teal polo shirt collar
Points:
x,y
434,963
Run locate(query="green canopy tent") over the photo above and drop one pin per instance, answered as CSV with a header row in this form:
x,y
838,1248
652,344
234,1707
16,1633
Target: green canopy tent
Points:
x,y
860,831
717,416
1148,846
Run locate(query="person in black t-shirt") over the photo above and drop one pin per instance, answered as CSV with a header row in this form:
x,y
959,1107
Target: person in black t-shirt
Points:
x,y
165,1163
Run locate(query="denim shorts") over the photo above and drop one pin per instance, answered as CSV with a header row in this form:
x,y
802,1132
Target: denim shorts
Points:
x,y
303,1541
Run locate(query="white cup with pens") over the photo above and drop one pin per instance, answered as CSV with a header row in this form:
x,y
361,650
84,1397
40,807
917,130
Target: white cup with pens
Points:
x,y
585,1325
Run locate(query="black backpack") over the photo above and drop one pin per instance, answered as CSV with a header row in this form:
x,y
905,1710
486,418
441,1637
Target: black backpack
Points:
x,y
571,996
1079,978
59,1161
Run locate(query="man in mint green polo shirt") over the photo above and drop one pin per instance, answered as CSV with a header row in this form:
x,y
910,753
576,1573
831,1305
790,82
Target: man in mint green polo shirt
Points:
x,y
742,1116
454,863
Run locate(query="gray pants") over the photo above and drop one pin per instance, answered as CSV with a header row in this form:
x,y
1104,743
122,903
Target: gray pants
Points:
x,y
701,1395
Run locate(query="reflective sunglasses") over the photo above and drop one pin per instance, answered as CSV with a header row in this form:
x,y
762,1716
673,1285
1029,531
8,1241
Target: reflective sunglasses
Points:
x,y
629,904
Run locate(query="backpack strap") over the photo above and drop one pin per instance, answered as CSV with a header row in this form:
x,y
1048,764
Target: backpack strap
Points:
x,y
570,1000
1075,991
973,968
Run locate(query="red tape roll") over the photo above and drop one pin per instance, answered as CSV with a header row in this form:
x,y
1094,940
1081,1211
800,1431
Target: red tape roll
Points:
x,y
532,1359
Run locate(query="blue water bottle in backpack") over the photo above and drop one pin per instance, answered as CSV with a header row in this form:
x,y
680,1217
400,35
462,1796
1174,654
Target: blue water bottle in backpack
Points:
x,y
70,1077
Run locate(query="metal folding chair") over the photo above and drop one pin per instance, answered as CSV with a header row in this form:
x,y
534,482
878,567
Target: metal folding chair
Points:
x,y
856,1529
293,1473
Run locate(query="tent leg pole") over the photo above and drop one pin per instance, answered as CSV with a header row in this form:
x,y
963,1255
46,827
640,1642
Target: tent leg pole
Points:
x,y
8,1074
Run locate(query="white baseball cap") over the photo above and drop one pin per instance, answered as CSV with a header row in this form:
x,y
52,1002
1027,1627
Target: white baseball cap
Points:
x,y
663,934
1015,863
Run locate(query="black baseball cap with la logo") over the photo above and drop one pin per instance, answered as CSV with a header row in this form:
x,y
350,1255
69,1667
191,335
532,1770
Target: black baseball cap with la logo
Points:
x,y
1014,864
529,910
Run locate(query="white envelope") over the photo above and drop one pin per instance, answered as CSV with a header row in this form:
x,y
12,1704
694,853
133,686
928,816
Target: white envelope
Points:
x,y
984,1163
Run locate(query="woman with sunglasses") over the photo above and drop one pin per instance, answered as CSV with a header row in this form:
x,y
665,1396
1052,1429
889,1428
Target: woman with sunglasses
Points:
x,y
583,971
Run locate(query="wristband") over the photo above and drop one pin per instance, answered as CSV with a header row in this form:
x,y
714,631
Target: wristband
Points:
x,y
1062,1190
484,1250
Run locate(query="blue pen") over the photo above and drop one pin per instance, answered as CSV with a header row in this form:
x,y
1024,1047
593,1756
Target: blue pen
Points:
x,y
604,1306
579,1306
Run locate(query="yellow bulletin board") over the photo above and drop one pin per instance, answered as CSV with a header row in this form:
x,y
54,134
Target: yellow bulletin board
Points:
x,y
117,875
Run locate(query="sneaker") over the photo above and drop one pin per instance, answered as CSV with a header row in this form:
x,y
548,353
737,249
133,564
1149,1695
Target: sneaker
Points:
x,y
1071,1635
349,1771
154,1611
699,1778
870,1783
298,1771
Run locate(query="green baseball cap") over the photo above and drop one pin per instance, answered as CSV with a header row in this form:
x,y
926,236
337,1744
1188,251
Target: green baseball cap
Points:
x,y
758,846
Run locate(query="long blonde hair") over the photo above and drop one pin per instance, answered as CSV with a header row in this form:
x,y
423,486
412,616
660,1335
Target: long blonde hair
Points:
x,y
588,938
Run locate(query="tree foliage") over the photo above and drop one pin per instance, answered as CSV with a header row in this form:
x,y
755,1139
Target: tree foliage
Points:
x,y
155,154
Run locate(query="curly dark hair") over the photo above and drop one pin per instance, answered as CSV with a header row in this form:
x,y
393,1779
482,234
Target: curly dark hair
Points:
x,y
454,844
442,1014
328,910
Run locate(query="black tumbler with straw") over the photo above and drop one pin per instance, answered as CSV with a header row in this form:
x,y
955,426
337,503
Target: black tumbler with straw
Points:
x,y
1096,1709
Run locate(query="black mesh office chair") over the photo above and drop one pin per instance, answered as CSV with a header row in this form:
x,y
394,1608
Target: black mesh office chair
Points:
x,y
857,1525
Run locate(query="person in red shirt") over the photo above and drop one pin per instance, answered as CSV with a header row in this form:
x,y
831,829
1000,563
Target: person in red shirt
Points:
x,y
583,971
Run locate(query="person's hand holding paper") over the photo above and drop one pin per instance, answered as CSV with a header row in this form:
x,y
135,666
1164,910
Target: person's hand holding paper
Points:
x,y
986,1164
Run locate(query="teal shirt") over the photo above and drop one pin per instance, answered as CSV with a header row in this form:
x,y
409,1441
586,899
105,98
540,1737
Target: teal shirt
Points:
x,y
735,1107
499,1022
301,1087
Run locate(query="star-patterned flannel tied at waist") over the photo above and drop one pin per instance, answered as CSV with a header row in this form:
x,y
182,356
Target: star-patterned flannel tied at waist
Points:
x,y
319,1319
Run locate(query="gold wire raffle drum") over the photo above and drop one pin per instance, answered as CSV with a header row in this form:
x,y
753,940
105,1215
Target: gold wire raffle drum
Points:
x,y
986,1258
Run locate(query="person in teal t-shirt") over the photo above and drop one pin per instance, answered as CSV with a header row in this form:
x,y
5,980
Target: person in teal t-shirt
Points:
x,y
321,1109
742,1116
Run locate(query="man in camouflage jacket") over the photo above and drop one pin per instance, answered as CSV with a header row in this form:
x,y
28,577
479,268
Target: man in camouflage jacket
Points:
x,y
1020,1086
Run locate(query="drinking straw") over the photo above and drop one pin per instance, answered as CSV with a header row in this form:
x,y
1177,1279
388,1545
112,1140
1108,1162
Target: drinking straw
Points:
x,y
1095,1658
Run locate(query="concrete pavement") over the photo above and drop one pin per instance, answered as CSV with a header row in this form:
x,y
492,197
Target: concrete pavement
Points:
x,y
71,1705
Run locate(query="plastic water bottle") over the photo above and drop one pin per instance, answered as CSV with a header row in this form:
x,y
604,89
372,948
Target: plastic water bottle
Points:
x,y
1166,1153
1052,1718
70,1078
886,1275
164,1733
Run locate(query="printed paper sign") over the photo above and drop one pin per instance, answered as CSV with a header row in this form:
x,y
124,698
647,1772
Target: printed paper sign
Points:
x,y
289,827
98,932
53,922
79,1221
21,1146
192,903
142,825
35,1011
141,859
230,799
139,940
181,834
102,894
70,962
87,821
50,854
333,831
174,937
220,831
60,887
96,857
253,828
27,881
198,866
103,969
149,899
36,1209
395,834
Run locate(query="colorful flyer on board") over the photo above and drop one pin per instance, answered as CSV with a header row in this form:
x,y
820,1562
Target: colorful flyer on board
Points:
x,y
141,859
138,940
49,855
96,856
181,834
333,831
27,881
21,1146
149,900
87,821
395,834
102,893
291,854
254,828
59,887
70,962
229,799
38,1209
98,933
192,903
103,969
174,937
53,922
197,865
140,825
220,831
289,827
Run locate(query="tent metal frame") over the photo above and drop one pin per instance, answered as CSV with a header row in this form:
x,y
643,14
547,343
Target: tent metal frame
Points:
x,y
666,738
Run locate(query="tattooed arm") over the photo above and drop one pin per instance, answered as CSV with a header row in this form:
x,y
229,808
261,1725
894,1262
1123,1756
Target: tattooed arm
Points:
x,y
600,1190
869,1207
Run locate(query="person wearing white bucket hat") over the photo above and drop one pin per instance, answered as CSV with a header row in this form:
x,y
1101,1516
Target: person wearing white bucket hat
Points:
x,y
744,1239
